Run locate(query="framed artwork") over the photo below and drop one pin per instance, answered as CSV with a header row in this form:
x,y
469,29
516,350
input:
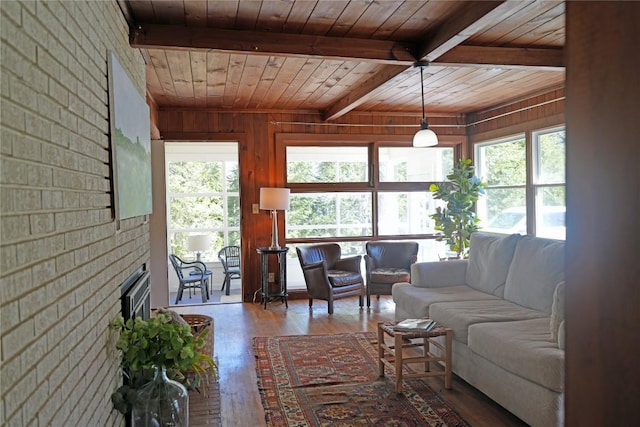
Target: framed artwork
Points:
x,y
130,144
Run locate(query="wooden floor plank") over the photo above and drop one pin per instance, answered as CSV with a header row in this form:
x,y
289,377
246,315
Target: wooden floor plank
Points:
x,y
236,324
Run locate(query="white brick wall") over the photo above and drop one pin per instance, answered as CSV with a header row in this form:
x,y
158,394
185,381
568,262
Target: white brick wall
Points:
x,y
62,257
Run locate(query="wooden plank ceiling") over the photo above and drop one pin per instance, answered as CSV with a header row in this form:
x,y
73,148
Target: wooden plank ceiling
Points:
x,y
337,56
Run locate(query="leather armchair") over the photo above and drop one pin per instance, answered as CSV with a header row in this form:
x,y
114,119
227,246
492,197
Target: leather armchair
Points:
x,y
388,263
328,276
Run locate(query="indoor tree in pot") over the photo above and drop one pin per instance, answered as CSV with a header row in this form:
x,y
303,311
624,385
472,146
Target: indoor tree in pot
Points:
x,y
457,220
160,360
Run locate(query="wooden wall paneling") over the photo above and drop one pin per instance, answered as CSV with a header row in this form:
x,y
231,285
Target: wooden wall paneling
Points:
x,y
201,121
603,201
545,107
254,173
213,121
225,122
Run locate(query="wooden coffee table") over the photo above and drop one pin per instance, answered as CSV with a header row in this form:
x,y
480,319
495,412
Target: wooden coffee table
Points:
x,y
392,354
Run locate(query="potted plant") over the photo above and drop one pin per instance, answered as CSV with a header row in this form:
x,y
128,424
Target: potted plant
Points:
x,y
158,344
457,220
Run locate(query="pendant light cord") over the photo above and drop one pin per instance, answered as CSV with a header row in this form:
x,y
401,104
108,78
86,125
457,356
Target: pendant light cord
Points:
x,y
424,118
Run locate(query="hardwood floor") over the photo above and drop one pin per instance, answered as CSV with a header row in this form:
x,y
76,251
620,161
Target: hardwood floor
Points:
x,y
236,324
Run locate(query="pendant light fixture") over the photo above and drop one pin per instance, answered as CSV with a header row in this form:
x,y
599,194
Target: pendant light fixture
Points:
x,y
425,137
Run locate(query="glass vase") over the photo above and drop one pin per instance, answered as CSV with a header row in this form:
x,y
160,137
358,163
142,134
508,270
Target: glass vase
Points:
x,y
161,403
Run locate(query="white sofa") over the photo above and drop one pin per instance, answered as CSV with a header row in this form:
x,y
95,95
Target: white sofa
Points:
x,y
505,304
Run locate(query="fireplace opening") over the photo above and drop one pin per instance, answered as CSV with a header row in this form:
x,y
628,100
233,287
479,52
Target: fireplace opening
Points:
x,y
135,294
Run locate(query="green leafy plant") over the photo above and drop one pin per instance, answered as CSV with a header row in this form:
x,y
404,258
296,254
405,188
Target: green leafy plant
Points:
x,y
458,219
158,341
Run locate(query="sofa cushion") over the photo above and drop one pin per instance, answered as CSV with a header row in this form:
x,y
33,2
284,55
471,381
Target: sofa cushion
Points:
x,y
557,311
438,274
462,314
489,260
522,348
416,301
536,270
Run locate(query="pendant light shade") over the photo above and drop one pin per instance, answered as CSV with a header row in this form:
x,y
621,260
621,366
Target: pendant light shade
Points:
x,y
425,137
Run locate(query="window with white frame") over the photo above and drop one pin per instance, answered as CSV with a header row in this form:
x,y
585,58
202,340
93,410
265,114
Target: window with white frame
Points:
x,y
549,182
202,195
524,195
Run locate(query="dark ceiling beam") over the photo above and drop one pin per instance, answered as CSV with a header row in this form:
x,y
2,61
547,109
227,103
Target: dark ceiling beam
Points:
x,y
510,57
153,36
476,16
364,92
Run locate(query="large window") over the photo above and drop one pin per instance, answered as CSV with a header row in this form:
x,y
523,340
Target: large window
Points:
x,y
355,192
202,195
333,195
549,183
525,194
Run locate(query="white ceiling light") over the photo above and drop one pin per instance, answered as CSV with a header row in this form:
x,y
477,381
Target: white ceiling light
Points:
x,y
425,137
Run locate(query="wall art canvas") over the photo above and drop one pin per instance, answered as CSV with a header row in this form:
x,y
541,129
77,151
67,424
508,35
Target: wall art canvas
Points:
x,y
130,144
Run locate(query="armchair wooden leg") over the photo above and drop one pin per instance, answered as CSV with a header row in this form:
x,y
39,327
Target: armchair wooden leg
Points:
x,y
361,301
330,306
310,302
368,299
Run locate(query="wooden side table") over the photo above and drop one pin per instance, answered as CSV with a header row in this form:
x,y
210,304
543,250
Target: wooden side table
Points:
x,y
282,274
402,340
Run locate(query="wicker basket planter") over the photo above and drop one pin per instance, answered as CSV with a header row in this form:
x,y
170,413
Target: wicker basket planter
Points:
x,y
201,325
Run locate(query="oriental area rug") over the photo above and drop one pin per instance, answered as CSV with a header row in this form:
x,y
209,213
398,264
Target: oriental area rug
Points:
x,y
332,380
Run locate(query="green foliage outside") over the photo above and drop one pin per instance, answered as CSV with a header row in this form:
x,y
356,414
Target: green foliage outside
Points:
x,y
458,219
327,172
157,341
192,206
329,215
508,167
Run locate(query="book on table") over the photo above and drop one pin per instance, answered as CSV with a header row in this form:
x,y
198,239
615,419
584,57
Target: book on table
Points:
x,y
415,325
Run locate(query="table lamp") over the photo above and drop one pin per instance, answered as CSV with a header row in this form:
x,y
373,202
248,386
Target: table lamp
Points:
x,y
199,243
274,199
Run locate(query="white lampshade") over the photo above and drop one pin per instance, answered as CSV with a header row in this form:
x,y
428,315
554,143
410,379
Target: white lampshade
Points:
x,y
199,243
425,138
274,198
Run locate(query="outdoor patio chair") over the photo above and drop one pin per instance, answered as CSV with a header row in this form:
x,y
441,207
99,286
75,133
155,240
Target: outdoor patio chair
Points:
x,y
229,256
190,281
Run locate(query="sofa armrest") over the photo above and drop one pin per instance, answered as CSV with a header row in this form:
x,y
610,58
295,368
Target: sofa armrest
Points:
x,y
439,274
